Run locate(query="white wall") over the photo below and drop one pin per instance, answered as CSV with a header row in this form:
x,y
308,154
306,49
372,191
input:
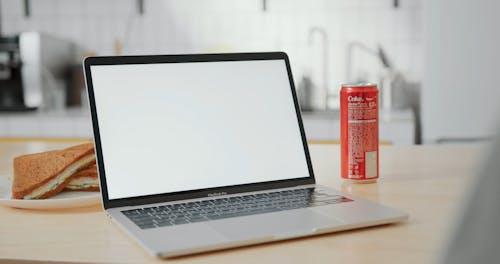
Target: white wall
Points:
x,y
190,26
461,79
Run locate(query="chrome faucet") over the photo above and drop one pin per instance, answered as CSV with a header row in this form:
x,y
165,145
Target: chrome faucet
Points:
x,y
350,50
324,37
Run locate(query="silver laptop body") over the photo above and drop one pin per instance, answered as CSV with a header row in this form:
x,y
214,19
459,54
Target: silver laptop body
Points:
x,y
204,152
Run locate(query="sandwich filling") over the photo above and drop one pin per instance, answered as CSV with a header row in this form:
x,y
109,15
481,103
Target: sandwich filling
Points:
x,y
59,179
82,183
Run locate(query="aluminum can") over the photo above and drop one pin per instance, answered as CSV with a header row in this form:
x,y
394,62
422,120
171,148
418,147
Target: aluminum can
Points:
x,y
359,132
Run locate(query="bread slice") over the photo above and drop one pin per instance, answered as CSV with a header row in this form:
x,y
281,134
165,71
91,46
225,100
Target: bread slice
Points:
x,y
84,180
41,175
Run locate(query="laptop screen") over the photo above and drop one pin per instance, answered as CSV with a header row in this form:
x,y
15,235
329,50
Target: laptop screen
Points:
x,y
173,127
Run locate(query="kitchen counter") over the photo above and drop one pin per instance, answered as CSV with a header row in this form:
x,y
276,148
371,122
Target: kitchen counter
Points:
x,y
425,181
385,116
396,127
64,123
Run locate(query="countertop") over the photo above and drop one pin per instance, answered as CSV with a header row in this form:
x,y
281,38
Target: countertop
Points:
x,y
396,127
425,181
384,116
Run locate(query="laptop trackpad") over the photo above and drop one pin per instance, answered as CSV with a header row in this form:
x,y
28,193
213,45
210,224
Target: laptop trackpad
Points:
x,y
280,224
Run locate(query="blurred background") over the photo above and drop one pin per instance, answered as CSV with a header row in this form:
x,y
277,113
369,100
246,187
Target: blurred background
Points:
x,y
434,61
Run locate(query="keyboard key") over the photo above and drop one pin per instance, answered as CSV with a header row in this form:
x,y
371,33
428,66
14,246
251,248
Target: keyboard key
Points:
x,y
226,207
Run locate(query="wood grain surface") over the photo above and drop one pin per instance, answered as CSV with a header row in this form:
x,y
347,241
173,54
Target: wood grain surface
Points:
x,y
428,182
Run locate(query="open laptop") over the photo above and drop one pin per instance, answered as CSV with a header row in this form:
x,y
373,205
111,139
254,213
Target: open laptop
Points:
x,y
205,152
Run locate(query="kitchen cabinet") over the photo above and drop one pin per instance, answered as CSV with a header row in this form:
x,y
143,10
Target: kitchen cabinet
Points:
x,y
67,123
395,127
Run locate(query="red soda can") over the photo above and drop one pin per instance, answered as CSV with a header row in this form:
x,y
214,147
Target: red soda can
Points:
x,y
359,132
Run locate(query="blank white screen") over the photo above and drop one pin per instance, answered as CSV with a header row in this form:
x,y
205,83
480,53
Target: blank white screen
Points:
x,y
171,127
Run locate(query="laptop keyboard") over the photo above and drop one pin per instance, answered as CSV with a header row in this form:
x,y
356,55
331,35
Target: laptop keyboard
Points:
x,y
219,208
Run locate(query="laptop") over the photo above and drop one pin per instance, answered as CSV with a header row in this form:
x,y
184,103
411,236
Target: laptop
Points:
x,y
205,152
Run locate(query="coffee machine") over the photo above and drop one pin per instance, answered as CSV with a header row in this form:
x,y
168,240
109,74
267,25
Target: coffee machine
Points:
x,y
11,85
33,69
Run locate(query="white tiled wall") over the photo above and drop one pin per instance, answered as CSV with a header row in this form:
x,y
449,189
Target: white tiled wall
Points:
x,y
192,26
195,26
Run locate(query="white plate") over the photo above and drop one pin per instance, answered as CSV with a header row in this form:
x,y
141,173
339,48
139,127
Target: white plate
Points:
x,y
66,199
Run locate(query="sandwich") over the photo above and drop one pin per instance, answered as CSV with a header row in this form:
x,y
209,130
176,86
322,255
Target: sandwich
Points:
x,y
42,175
84,180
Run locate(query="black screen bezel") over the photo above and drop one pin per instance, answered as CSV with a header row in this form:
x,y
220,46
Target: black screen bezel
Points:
x,y
165,197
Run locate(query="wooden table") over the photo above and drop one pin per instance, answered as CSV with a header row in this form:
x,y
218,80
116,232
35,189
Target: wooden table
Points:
x,y
428,182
